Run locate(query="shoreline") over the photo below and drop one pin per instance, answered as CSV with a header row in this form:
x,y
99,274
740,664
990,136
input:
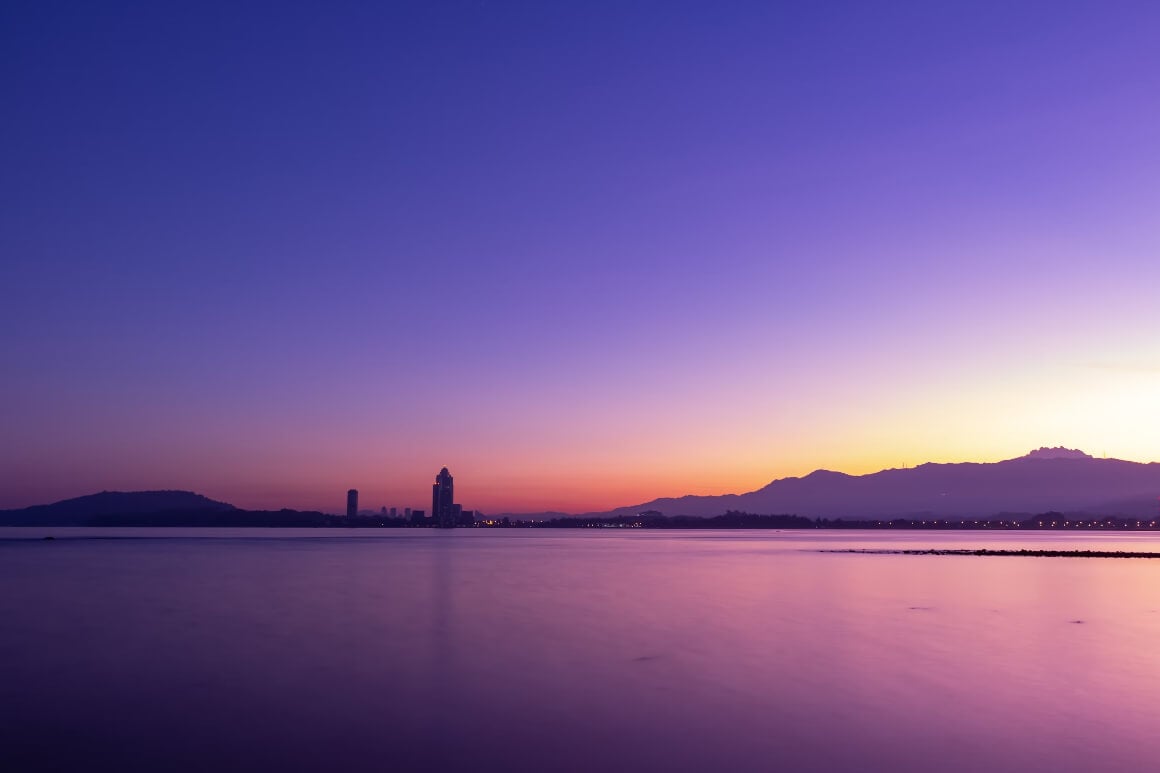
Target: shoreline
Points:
x,y
988,552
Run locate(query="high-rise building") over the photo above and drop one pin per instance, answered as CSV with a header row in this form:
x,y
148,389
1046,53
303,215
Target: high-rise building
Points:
x,y
443,499
352,503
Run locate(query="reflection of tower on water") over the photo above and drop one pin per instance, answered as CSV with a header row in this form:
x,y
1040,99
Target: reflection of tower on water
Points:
x,y
445,671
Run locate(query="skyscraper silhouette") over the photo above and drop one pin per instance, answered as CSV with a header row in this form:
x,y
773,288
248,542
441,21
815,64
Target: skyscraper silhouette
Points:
x,y
443,499
352,503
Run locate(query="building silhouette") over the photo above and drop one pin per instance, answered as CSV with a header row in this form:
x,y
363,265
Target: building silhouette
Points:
x,y
352,503
443,500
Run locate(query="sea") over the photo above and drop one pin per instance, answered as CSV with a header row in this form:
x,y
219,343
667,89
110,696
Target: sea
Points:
x,y
574,650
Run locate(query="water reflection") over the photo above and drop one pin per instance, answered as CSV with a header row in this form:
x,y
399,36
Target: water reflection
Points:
x,y
575,651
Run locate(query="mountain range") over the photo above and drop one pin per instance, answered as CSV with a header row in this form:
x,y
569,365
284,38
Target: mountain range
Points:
x,y
1047,479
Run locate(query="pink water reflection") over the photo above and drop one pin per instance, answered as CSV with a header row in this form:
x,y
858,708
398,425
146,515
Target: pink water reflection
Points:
x,y
579,651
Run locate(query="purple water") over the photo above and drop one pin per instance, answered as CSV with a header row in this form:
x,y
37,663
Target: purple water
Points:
x,y
548,650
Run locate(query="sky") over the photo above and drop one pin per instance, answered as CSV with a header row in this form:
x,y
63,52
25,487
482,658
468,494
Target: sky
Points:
x,y
584,254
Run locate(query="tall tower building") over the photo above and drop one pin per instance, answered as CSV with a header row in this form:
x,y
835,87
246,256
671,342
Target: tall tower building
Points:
x,y
352,503
443,499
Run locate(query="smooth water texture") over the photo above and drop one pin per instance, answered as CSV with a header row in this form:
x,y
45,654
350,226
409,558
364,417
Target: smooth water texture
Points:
x,y
589,650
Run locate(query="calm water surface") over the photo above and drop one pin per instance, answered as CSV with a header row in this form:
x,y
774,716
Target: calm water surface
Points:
x,y
595,650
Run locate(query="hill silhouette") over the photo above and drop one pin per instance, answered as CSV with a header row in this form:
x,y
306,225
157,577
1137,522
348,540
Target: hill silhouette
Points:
x,y
107,504
1047,479
173,508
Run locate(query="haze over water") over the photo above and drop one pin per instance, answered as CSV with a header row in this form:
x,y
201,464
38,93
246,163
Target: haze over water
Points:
x,y
526,650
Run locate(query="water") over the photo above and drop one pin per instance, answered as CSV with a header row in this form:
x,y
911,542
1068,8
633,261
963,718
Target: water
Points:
x,y
593,650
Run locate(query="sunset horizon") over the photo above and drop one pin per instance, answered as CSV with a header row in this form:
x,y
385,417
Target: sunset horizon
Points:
x,y
374,497
493,386
690,257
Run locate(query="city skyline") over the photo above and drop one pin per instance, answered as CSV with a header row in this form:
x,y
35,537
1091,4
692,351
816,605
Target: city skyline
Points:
x,y
603,255
954,492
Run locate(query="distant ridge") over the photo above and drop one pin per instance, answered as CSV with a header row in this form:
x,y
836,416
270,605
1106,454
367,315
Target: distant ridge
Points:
x,y
1057,453
83,510
1046,479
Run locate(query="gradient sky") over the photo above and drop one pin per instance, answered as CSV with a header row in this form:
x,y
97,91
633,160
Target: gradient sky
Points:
x,y
585,254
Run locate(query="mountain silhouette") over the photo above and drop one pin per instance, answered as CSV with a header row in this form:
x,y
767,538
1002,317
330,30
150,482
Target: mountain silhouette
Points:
x,y
1047,479
83,510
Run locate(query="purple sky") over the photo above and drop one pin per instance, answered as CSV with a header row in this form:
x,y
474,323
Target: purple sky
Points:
x,y
583,254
